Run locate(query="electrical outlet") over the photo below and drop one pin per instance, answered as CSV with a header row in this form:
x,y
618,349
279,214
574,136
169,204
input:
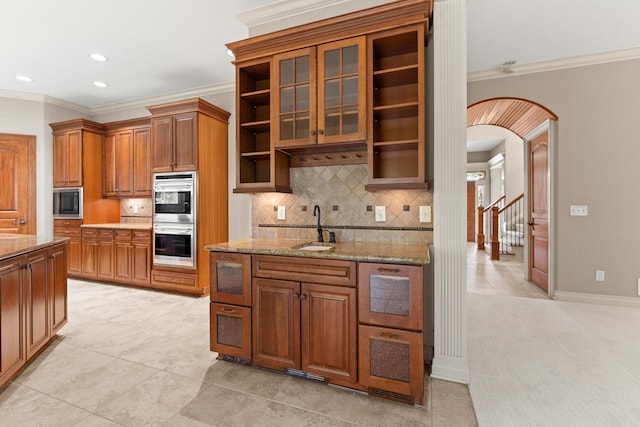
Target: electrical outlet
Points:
x,y
425,213
599,275
281,213
380,214
580,210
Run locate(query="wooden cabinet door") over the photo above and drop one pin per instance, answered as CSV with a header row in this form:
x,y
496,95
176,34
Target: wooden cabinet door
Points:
x,y
230,278
142,170
141,256
57,287
276,324
36,299
329,340
74,256
123,256
293,115
105,255
162,144
60,160
74,158
185,142
391,295
124,164
391,360
342,88
109,180
12,319
230,330
89,254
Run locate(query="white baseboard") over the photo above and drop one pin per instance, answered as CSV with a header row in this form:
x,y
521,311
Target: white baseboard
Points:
x,y
597,299
450,369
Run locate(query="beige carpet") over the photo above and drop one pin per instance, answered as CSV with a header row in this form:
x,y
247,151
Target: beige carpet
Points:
x,y
536,362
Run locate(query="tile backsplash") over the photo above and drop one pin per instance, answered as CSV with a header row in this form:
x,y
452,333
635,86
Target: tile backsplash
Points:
x,y
136,210
343,201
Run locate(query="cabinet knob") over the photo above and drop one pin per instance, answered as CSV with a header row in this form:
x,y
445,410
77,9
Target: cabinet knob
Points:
x,y
313,133
303,296
320,132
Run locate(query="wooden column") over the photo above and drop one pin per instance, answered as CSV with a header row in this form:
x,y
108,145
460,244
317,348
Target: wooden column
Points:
x,y
495,243
480,237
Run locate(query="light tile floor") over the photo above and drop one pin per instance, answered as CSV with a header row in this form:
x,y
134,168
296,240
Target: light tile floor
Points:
x,y
134,357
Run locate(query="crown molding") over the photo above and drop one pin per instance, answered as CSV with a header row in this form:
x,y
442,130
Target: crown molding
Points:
x,y
165,98
282,10
559,64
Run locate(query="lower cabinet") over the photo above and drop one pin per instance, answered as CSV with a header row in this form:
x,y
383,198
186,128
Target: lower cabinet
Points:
x,y
116,255
33,305
71,228
353,324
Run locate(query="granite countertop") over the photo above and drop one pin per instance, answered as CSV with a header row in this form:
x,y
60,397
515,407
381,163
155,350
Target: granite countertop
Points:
x,y
396,253
121,225
12,245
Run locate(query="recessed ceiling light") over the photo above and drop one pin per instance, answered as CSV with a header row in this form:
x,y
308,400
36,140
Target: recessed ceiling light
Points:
x,y
100,84
230,53
98,57
24,78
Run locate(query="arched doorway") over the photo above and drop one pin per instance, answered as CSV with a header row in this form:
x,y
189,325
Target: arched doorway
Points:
x,y
534,124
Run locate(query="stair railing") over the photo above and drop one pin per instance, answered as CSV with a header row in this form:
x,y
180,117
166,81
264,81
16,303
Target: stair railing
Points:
x,y
484,221
511,226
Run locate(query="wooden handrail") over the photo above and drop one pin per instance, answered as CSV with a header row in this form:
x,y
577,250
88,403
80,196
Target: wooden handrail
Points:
x,y
511,203
494,203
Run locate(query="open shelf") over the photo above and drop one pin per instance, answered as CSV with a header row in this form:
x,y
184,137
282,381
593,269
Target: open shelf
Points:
x,y
397,76
258,97
387,112
262,126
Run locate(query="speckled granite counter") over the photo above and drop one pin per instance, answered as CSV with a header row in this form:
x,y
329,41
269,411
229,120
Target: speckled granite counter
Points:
x,y
12,245
351,251
121,225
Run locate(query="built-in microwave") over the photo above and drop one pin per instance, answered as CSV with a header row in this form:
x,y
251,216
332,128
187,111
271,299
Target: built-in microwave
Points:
x,y
174,197
67,202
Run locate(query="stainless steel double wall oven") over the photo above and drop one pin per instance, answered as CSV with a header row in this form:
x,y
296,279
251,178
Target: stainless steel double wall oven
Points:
x,y
174,219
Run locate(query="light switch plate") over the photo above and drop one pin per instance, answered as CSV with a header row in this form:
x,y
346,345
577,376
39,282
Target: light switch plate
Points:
x,y
599,275
380,214
425,213
281,213
579,210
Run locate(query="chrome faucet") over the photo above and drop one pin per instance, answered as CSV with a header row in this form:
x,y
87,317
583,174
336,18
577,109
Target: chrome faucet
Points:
x,y
316,208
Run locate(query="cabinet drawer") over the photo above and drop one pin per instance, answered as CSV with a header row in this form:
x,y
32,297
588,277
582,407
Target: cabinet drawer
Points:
x,y
310,270
231,278
391,360
143,236
230,330
391,295
105,235
122,235
90,234
175,281
66,231
67,222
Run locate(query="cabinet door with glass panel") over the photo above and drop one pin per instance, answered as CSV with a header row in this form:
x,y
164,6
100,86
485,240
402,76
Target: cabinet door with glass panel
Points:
x,y
320,94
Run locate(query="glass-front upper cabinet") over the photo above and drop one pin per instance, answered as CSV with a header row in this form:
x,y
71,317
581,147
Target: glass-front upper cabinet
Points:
x,y
320,94
342,91
295,98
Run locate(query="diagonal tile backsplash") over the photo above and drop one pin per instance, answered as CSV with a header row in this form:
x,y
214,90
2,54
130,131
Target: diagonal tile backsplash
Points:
x,y
340,193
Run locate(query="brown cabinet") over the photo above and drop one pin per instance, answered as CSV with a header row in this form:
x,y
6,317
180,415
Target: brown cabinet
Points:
x,y
33,302
78,162
71,228
396,147
12,319
123,255
329,88
126,169
132,249
67,158
391,323
318,94
105,255
174,143
295,322
230,315
89,254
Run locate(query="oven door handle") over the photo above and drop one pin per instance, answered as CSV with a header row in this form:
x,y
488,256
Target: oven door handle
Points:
x,y
173,230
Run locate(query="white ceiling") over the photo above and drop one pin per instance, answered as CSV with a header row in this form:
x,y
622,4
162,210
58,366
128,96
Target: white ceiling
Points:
x,y
158,47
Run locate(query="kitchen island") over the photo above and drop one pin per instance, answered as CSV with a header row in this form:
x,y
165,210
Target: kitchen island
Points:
x,y
33,297
354,314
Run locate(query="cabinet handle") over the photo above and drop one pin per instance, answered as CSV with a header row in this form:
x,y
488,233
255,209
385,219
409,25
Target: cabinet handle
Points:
x,y
229,310
388,335
313,133
296,295
320,132
391,270
228,258
303,296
